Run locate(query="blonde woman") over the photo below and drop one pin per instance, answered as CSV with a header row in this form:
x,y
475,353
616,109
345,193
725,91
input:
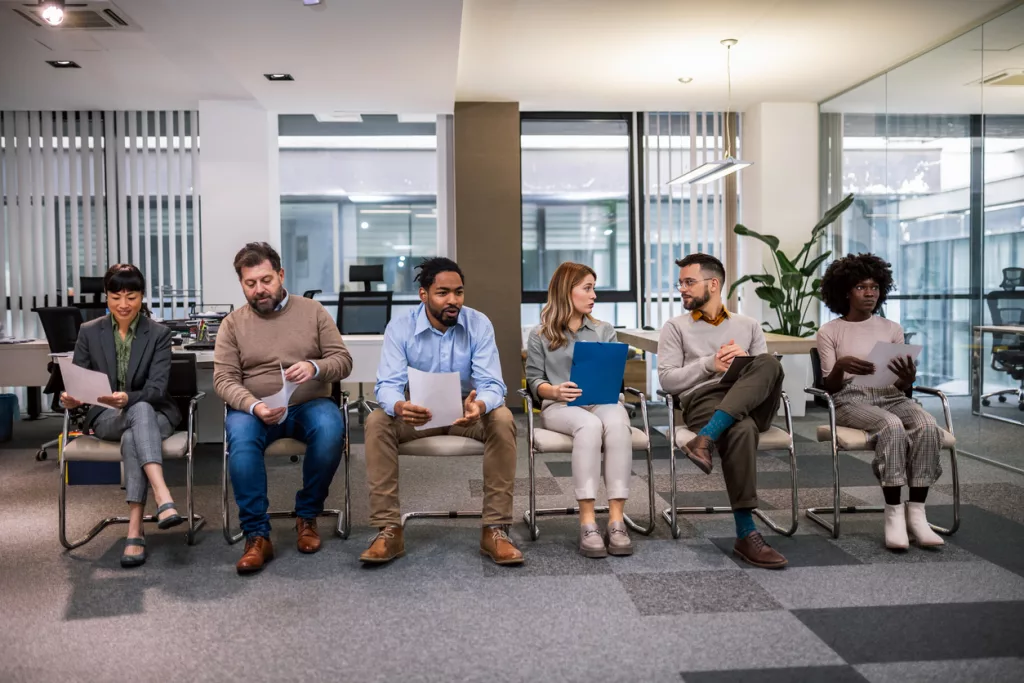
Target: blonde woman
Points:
x,y
595,429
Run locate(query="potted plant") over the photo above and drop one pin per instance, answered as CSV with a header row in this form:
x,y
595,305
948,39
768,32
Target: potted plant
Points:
x,y
795,284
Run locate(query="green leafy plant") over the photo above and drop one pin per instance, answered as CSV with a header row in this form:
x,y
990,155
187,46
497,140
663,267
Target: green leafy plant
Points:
x,y
795,283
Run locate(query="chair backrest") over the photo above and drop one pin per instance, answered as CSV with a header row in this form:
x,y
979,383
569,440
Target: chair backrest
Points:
x,y
1005,312
364,312
60,325
1013,278
311,293
366,274
819,380
183,383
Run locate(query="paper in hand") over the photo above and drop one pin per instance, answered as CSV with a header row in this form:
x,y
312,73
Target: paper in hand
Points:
x,y
281,398
438,392
881,355
83,385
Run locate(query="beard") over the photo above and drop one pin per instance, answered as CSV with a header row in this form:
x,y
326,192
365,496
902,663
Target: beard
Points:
x,y
447,316
268,303
696,302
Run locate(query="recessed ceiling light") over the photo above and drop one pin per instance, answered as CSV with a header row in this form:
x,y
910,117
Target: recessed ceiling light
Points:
x,y
685,79
63,64
278,77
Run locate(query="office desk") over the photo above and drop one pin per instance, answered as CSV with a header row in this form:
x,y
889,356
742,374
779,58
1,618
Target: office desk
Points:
x,y
647,340
978,366
24,365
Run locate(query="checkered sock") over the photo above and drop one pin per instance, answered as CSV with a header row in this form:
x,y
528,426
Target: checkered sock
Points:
x,y
716,427
744,523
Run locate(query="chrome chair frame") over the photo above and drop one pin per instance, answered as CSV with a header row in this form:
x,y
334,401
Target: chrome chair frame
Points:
x,y
344,515
531,514
671,513
815,513
195,522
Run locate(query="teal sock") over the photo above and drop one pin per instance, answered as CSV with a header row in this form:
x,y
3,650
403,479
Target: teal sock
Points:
x,y
716,427
744,523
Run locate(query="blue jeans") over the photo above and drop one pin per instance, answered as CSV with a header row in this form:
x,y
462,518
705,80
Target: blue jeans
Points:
x,y
318,424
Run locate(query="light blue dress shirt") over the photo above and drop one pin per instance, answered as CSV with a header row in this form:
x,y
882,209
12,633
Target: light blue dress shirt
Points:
x,y
467,347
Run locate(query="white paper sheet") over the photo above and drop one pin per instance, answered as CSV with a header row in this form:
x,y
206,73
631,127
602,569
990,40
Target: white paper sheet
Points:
x,y
82,384
881,355
438,392
281,398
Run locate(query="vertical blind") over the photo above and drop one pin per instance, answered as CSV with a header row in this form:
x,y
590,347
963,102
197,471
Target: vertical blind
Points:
x,y
679,219
83,190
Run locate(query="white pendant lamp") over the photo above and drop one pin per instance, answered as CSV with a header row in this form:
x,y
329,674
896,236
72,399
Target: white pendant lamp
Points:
x,y
713,170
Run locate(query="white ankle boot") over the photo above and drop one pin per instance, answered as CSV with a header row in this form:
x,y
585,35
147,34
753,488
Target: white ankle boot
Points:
x,y
896,528
917,525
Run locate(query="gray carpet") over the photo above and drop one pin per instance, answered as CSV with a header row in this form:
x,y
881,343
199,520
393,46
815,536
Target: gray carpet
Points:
x,y
845,610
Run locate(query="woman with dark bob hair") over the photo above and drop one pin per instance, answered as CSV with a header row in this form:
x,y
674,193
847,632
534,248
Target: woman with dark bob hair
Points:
x,y
135,353
907,440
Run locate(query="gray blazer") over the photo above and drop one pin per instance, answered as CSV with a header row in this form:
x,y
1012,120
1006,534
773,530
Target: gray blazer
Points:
x,y
149,370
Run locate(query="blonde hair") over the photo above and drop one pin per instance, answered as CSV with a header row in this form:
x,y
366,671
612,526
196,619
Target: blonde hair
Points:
x,y
554,318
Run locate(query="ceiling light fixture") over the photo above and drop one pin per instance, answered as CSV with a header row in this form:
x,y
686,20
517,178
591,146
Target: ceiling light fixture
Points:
x,y
713,170
685,79
278,77
63,64
53,11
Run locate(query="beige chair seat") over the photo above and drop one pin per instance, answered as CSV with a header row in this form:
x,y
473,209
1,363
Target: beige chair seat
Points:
x,y
547,441
285,448
774,439
442,445
850,439
91,449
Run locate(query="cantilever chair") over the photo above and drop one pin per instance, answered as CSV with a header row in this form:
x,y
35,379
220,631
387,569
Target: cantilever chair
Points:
x,y
773,439
442,445
292,448
182,387
849,439
547,441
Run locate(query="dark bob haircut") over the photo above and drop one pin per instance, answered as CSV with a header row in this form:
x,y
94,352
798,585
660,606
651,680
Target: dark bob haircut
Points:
x,y
707,263
124,277
843,274
432,267
255,253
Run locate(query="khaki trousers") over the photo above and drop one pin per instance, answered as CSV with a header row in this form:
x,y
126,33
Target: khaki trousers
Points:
x,y
752,400
497,431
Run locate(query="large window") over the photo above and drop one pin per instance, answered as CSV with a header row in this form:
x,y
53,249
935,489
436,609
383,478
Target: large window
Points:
x,y
360,193
576,207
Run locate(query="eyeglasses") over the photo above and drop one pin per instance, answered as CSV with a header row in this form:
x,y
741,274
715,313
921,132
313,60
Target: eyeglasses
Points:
x,y
689,283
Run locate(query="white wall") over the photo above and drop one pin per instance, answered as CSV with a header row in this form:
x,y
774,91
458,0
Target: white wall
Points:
x,y
238,176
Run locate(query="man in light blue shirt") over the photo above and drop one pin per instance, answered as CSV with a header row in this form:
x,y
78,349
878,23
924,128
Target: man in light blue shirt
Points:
x,y
441,335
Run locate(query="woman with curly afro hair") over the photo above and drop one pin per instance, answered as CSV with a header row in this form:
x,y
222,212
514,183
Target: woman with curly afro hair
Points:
x,y
907,440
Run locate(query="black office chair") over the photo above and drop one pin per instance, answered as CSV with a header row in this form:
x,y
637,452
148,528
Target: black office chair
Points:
x,y
97,308
311,293
60,325
364,312
366,275
1013,278
1007,348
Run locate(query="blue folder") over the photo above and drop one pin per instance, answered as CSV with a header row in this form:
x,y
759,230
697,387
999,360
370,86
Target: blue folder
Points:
x,y
597,369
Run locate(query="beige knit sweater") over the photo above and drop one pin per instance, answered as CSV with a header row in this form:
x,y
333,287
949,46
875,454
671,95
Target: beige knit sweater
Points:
x,y
251,348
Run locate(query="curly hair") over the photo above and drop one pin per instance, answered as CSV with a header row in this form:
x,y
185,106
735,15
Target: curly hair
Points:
x,y
845,273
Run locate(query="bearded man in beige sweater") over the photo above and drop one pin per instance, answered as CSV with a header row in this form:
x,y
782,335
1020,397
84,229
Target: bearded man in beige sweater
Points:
x,y
276,331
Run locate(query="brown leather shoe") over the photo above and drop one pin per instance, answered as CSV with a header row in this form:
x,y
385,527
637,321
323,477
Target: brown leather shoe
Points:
x,y
699,450
753,549
309,539
495,543
258,551
387,545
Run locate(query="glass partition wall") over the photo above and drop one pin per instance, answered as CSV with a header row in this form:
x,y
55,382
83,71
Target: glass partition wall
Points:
x,y
934,152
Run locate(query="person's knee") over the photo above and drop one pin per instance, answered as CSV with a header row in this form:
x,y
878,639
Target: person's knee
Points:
x,y
327,428
769,364
378,422
501,422
892,426
244,430
140,411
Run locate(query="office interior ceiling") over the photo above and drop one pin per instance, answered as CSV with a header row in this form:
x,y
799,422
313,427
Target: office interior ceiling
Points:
x,y
419,56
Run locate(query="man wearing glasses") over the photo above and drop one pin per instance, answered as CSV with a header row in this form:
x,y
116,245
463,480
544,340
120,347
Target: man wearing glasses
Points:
x,y
695,351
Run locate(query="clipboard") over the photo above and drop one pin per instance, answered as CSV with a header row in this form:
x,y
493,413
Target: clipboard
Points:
x,y
597,369
735,368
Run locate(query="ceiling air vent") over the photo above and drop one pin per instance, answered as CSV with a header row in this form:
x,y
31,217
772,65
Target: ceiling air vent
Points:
x,y
1005,77
90,16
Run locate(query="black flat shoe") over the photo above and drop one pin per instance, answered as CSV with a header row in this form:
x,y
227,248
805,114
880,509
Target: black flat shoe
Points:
x,y
168,522
134,560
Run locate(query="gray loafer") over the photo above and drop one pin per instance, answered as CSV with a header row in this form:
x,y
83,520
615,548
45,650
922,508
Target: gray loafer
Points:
x,y
618,539
591,543
134,560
